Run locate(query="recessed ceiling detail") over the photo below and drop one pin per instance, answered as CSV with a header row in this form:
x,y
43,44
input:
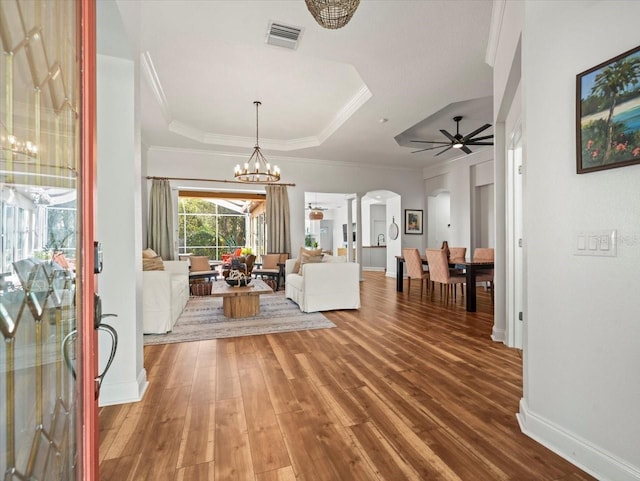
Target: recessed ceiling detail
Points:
x,y
477,113
343,113
317,101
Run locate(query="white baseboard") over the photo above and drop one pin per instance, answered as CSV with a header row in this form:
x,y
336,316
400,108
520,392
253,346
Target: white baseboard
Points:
x,y
124,392
591,459
498,335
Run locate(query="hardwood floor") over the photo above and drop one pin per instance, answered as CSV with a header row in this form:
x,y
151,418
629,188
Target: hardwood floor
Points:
x,y
403,389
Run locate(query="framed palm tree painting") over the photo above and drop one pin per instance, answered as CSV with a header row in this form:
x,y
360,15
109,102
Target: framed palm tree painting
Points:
x,y
608,114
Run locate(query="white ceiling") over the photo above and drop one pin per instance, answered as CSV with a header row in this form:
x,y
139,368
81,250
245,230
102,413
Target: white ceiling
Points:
x,y
205,62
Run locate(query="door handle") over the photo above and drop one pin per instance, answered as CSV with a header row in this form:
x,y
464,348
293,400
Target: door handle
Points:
x,y
72,337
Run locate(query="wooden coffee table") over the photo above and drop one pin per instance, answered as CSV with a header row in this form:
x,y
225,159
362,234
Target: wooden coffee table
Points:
x,y
240,302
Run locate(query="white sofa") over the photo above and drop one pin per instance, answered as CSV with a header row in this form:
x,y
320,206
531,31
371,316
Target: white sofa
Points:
x,y
164,295
331,284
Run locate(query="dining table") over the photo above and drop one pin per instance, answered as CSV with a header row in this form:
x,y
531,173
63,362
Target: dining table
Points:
x,y
470,268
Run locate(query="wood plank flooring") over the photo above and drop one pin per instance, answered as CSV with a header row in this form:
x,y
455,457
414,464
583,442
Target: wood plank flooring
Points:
x,y
403,389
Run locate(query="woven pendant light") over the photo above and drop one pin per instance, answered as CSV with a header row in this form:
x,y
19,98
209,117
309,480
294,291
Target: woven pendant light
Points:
x,y
332,13
316,215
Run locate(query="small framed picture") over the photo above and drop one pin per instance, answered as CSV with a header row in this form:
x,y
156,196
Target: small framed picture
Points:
x,y
413,221
608,114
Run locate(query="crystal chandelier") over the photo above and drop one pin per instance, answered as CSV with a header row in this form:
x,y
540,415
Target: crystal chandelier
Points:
x,y
332,13
257,169
18,150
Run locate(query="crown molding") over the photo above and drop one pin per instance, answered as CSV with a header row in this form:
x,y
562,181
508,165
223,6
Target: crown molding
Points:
x,y
151,75
209,138
357,101
497,15
273,159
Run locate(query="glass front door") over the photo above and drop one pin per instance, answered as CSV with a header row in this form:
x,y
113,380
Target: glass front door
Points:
x,y
40,235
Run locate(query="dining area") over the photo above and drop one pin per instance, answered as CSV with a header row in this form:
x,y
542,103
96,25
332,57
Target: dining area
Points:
x,y
448,267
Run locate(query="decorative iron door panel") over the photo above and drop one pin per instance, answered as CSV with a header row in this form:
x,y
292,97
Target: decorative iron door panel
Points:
x,y
40,238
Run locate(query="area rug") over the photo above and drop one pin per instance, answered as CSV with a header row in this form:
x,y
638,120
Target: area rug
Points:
x,y
203,318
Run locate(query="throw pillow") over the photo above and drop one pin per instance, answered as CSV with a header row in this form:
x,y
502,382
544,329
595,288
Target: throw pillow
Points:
x,y
307,258
311,252
149,254
153,264
199,263
270,261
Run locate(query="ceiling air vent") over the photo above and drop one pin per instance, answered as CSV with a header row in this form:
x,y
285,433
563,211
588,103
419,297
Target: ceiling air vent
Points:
x,y
282,35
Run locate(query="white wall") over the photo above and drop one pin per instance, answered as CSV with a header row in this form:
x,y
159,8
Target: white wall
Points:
x,y
308,175
582,321
118,227
377,217
438,219
118,223
485,225
458,177
394,247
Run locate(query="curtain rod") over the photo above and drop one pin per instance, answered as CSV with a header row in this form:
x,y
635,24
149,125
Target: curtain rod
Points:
x,y
216,180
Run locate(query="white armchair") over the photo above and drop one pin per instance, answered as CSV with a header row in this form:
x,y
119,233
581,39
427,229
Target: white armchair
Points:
x,y
331,284
164,295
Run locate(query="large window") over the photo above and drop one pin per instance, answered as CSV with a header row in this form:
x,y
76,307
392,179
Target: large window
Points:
x,y
211,227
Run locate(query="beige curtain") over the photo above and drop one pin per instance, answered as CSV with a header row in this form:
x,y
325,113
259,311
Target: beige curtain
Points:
x,y
160,228
278,223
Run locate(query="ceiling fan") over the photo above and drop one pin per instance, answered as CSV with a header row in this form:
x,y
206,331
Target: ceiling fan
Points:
x,y
316,207
315,213
458,141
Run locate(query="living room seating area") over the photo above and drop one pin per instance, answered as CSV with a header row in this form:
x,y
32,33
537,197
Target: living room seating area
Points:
x,y
165,292
321,282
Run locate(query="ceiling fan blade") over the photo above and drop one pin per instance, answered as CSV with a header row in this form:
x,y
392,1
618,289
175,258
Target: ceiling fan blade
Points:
x,y
485,137
465,149
429,148
475,132
430,142
478,143
449,136
443,151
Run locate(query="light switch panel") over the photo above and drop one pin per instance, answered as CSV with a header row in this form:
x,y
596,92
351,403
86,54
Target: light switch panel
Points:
x,y
596,243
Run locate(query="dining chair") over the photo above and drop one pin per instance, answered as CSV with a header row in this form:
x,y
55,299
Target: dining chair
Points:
x,y
456,253
486,275
414,269
439,272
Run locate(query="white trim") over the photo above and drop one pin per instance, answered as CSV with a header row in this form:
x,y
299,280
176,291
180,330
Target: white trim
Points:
x,y
357,101
124,392
156,87
498,335
272,158
210,138
595,461
497,15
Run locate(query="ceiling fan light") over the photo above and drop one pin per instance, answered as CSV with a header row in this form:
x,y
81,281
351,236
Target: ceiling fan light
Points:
x,y
457,145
